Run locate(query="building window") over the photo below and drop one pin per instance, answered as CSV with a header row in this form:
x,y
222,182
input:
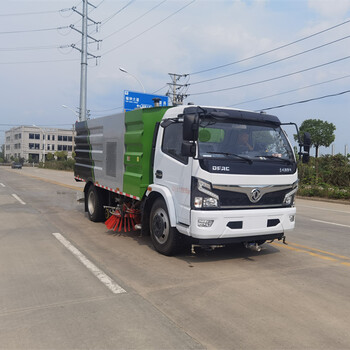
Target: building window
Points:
x,y
65,138
48,137
70,139
37,136
69,148
52,147
59,137
34,146
53,137
31,136
59,147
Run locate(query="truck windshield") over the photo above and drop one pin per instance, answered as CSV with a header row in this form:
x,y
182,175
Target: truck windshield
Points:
x,y
255,142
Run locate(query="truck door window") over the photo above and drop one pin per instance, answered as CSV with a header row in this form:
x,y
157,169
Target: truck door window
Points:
x,y
172,140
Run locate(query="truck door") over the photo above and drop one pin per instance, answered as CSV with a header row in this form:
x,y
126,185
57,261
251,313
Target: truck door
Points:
x,y
173,170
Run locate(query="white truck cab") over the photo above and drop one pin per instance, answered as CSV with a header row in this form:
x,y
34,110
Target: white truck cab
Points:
x,y
225,176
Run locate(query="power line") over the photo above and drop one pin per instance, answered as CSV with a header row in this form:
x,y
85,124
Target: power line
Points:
x,y
305,101
165,86
97,6
135,20
33,13
273,62
33,30
33,48
116,13
106,110
150,28
271,79
272,50
289,91
42,61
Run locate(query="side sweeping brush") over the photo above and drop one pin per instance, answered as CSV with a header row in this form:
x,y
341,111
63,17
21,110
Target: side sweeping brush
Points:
x,y
125,218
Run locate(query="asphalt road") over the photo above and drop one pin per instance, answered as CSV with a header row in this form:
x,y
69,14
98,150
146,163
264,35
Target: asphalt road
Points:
x,y
68,283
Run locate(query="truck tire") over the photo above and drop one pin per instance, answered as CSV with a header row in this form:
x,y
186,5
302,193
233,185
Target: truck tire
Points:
x,y
95,204
165,238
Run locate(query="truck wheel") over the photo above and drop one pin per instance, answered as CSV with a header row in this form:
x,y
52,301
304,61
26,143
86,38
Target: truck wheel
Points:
x,y
95,204
164,237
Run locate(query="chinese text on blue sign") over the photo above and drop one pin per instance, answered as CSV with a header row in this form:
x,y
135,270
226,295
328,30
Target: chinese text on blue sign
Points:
x,y
133,100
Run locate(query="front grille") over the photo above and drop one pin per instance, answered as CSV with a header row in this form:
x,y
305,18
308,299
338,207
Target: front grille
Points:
x,y
230,199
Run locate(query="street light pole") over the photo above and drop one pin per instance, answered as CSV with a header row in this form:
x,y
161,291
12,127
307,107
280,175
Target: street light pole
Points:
x,y
71,109
126,72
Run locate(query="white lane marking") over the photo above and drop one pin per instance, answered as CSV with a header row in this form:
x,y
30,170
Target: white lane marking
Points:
x,y
337,211
106,280
19,199
330,223
1,184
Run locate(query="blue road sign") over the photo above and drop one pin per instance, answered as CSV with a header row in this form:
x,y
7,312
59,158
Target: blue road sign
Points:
x,y
133,100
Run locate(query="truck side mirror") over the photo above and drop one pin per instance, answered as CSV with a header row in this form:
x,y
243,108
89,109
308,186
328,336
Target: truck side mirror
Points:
x,y
307,142
306,145
188,149
190,127
305,158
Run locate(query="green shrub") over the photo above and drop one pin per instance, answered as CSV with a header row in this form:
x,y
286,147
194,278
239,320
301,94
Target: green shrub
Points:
x,y
58,164
327,176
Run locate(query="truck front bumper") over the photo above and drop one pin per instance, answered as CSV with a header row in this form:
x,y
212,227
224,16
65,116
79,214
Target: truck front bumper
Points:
x,y
241,225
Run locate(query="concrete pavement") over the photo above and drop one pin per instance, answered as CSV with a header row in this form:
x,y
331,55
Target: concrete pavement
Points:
x,y
57,177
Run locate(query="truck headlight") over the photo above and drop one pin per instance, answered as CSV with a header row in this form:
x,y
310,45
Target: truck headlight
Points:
x,y
205,187
205,202
198,202
203,195
210,202
289,197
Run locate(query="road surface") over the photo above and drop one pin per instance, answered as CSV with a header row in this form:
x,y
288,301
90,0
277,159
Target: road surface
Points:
x,y
68,283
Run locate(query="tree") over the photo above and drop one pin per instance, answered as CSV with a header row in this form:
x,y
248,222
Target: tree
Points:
x,y
50,156
322,133
61,155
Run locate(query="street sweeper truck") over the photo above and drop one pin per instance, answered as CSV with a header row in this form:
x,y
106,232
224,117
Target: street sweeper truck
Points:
x,y
204,175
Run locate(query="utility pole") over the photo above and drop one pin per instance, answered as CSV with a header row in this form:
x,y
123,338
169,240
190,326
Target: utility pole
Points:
x,y
84,57
83,71
176,90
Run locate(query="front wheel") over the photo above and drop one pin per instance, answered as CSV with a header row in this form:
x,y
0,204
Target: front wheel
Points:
x,y
165,238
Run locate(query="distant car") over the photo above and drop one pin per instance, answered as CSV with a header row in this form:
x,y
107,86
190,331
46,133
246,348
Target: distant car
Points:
x,y
16,166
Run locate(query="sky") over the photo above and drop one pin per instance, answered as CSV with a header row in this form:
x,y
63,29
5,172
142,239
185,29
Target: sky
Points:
x,y
253,55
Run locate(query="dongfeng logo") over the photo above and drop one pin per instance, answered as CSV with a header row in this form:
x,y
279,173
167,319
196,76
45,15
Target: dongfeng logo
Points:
x,y
255,195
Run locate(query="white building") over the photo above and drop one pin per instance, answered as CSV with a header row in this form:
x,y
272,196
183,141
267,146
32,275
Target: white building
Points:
x,y
33,142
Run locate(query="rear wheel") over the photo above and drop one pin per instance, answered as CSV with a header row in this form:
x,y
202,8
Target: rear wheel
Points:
x,y
165,238
95,204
